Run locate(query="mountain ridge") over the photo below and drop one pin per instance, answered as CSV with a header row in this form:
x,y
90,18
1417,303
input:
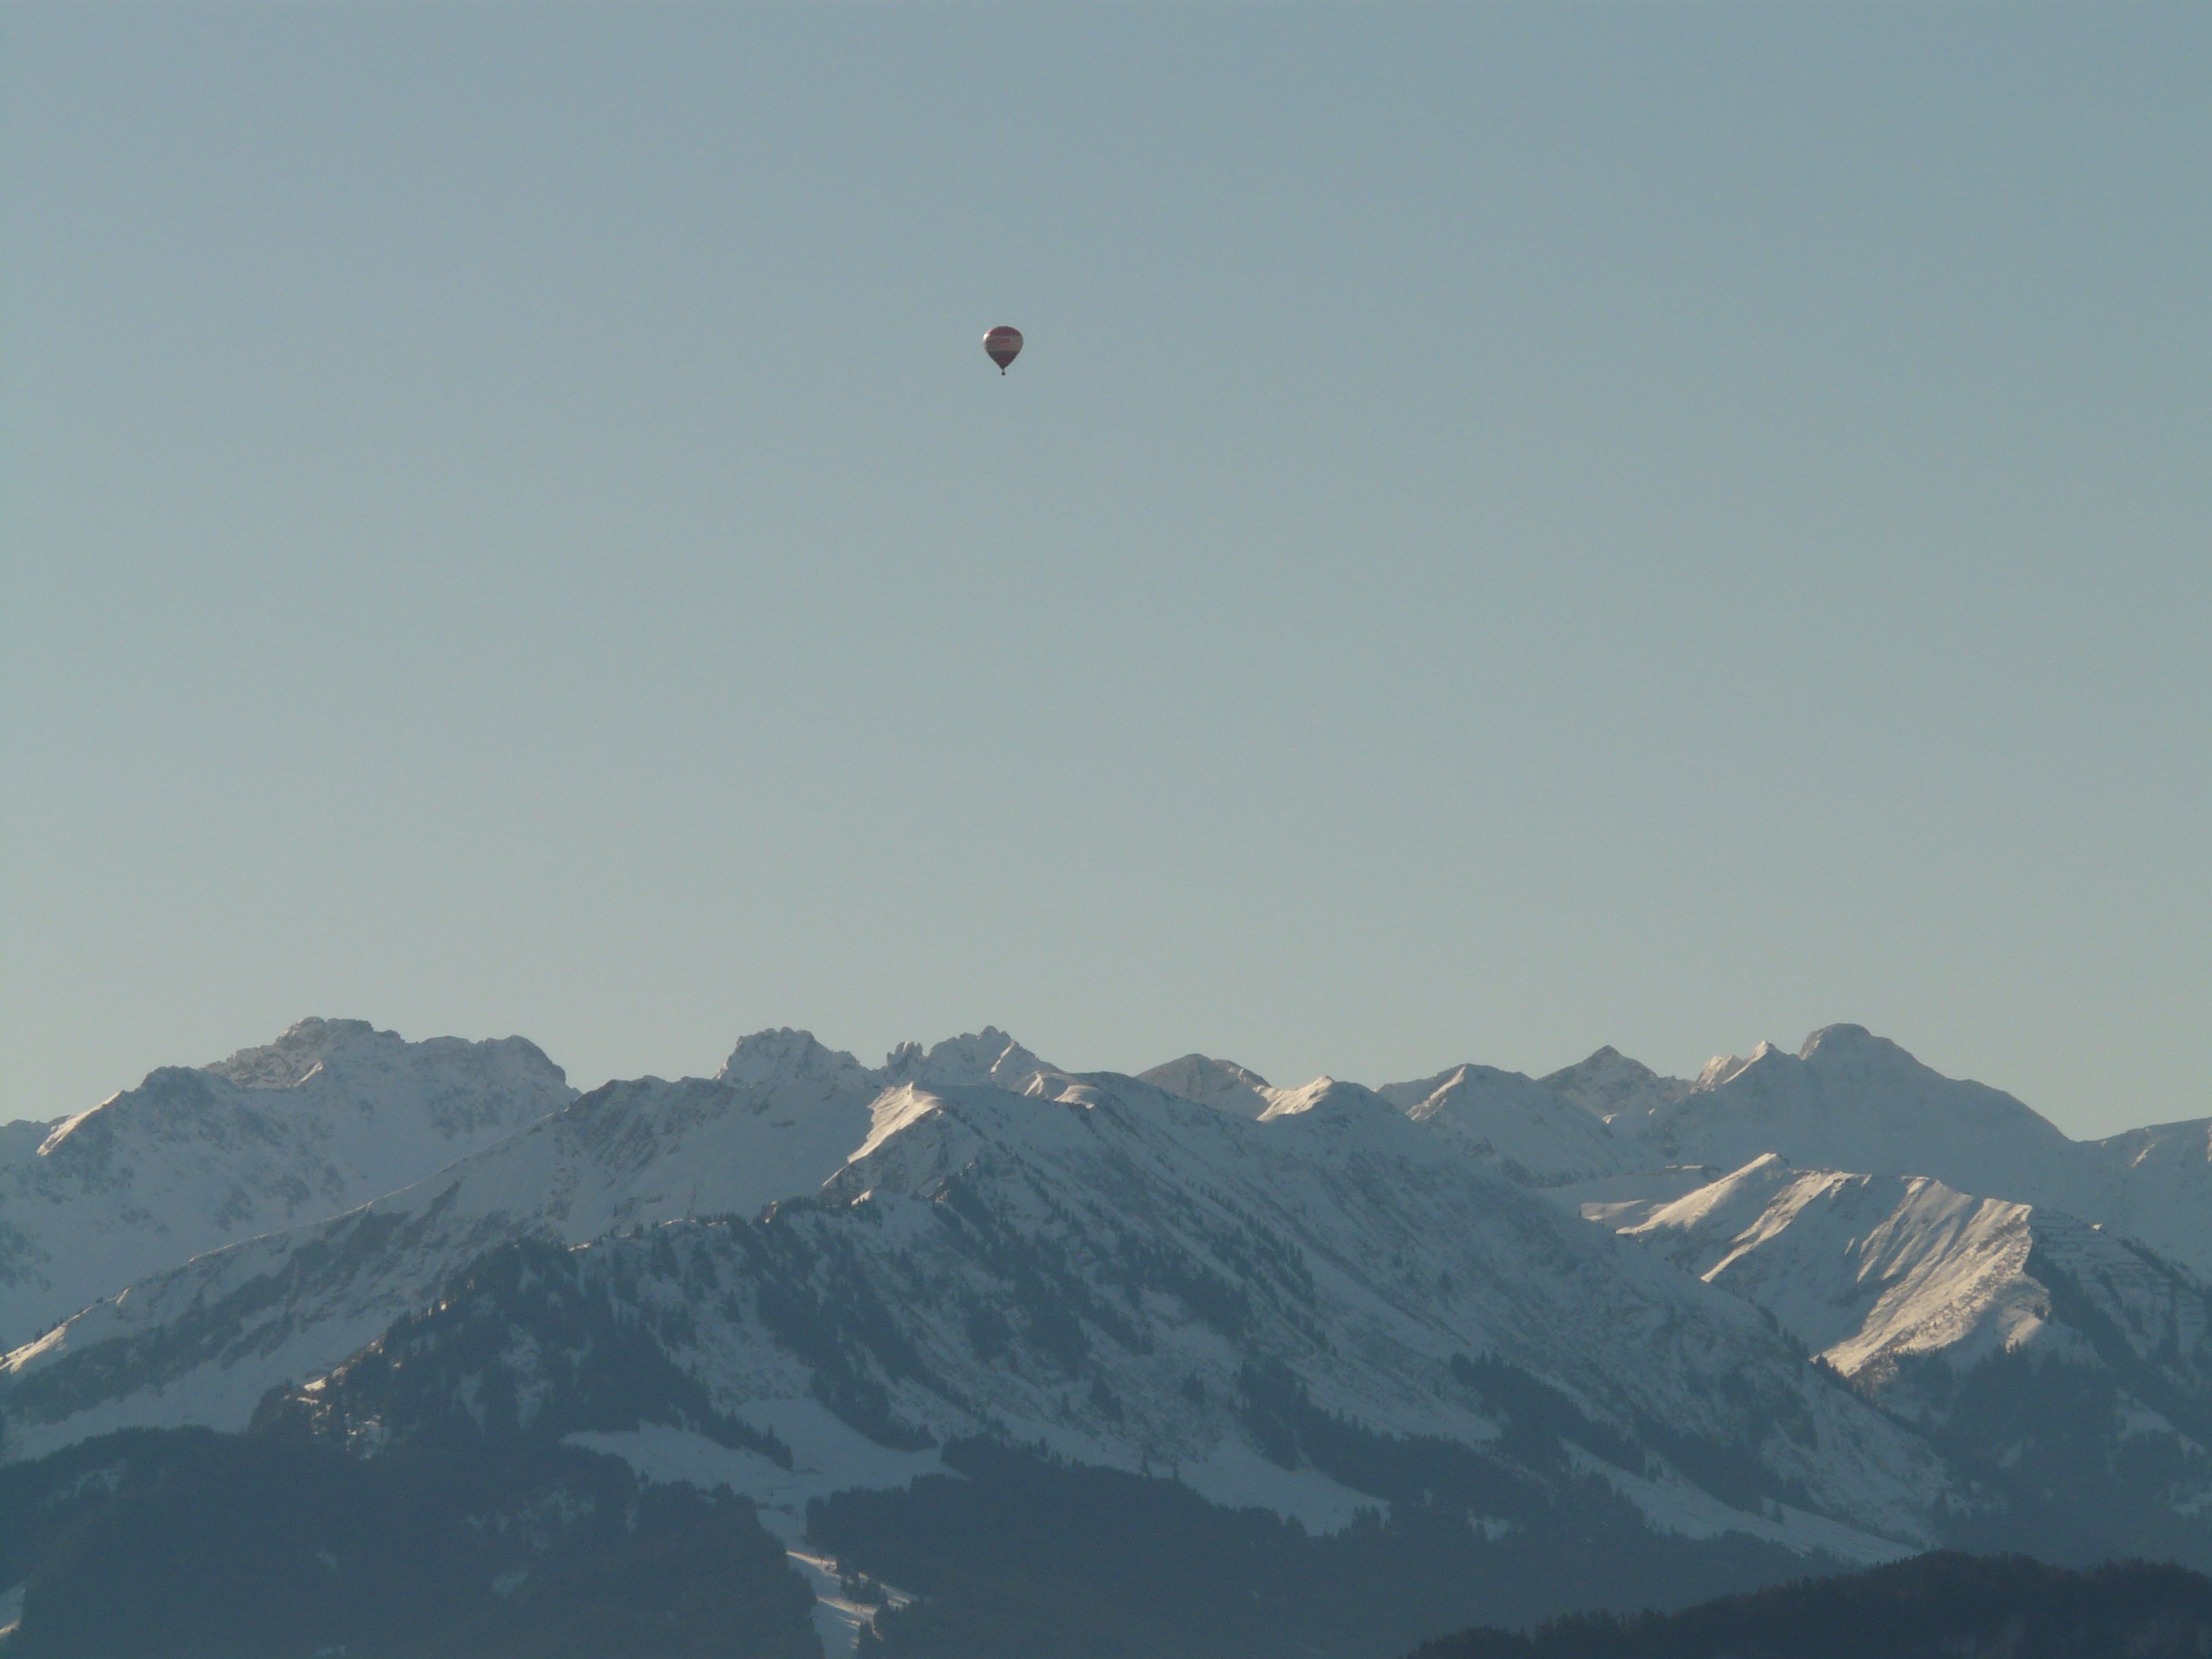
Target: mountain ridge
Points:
x,y
826,1279
332,1114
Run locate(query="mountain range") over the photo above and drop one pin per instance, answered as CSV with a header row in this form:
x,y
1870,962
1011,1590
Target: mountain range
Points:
x,y
1475,1347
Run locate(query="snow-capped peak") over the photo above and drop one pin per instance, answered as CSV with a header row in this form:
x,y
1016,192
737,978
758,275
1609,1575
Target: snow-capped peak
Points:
x,y
1326,1095
989,1058
1609,1085
1851,1100
1292,1102
892,1111
1726,1069
1221,1084
296,1056
1853,1045
1528,1129
782,1055
330,1114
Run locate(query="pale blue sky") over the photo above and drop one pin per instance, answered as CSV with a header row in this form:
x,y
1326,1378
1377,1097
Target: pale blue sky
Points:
x,y
1516,529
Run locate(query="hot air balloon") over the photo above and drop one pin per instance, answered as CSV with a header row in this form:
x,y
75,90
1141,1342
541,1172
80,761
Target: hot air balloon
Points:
x,y
1004,344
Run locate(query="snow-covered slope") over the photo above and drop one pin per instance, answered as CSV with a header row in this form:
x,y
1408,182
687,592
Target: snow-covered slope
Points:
x,y
1528,1130
1186,1245
1850,1100
1126,1269
1610,1085
331,1113
782,1115
1221,1084
987,1057
2155,1184
1865,1269
2065,1370
1875,1271
1095,1262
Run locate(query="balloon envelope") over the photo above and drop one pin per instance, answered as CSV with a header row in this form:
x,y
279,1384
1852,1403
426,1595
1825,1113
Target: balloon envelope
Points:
x,y
1004,344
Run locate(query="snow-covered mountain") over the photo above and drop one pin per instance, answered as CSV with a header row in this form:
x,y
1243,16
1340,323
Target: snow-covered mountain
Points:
x,y
989,1058
2056,1359
1849,1100
1610,1085
1531,1131
1221,1084
1542,1134
2155,1184
1094,1262
1874,1272
1834,1303
1868,1271
330,1114
782,1115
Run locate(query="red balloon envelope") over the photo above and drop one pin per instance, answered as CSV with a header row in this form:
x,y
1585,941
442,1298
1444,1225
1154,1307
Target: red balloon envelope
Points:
x,y
1004,344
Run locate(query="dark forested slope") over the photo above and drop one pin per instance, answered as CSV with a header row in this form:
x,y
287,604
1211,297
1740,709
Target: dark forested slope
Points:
x,y
1944,1606
167,1544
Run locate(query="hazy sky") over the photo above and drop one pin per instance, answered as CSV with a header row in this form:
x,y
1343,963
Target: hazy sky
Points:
x,y
1516,529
